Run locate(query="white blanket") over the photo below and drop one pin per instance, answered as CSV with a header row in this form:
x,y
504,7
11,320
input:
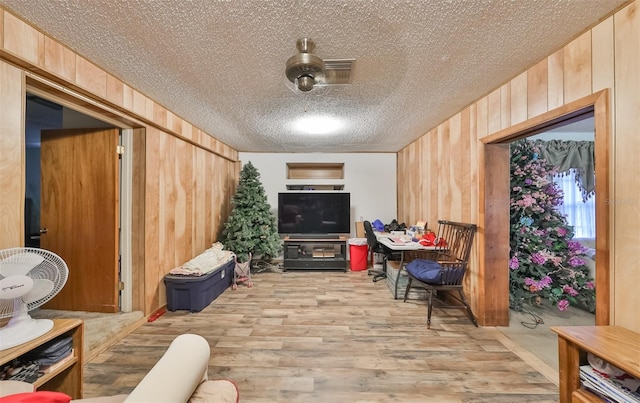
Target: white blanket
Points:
x,y
206,262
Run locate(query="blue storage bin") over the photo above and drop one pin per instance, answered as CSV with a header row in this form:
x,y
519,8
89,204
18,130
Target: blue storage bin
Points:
x,y
194,293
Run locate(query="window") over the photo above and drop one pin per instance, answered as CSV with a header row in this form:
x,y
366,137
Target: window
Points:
x,y
581,215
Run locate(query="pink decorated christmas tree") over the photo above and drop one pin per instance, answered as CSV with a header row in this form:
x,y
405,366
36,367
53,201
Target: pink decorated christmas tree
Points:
x,y
545,262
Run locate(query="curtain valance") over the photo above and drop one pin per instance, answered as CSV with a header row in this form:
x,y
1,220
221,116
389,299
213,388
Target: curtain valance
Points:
x,y
572,155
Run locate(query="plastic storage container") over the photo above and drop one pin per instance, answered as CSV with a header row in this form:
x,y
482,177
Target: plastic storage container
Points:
x,y
193,293
358,253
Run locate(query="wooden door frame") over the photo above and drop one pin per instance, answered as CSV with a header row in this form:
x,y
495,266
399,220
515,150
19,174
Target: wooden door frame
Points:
x,y
133,174
493,242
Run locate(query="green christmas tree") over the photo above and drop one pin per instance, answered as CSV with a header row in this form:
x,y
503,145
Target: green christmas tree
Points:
x,y
251,227
545,261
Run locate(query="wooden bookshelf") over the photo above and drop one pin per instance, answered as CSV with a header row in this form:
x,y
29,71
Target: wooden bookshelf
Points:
x,y
66,378
617,345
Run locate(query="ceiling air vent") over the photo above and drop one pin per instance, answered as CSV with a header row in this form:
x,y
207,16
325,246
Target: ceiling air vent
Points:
x,y
337,71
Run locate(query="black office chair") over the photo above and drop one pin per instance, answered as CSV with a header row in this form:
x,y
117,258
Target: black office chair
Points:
x,y
376,247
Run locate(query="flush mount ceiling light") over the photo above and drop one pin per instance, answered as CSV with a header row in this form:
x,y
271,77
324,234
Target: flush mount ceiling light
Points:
x,y
318,125
306,69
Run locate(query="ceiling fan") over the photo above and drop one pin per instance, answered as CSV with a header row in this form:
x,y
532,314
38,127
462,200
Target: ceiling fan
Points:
x,y
306,69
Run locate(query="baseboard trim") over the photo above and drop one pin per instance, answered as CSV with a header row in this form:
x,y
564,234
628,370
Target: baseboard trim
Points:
x,y
90,355
528,357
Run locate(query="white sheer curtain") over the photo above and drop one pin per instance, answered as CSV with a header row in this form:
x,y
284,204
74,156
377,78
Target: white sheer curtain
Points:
x,y
580,214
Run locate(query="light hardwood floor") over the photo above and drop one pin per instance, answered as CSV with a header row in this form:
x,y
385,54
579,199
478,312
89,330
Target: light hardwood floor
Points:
x,y
309,336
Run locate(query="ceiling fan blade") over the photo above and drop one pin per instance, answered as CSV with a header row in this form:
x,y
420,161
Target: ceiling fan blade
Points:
x,y
19,264
41,288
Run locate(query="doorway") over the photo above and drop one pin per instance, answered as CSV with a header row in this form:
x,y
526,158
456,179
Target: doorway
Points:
x,y
530,320
72,152
495,193
494,197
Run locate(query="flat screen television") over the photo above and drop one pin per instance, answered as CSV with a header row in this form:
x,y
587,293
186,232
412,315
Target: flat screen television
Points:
x,y
314,213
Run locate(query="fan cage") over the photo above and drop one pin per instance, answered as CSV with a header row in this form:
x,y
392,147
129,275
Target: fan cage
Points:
x,y
52,268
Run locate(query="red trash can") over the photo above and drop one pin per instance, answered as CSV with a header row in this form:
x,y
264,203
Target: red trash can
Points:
x,y
358,253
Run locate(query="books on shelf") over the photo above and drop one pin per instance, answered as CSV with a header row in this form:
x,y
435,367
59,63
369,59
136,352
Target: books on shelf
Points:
x,y
615,389
58,364
324,253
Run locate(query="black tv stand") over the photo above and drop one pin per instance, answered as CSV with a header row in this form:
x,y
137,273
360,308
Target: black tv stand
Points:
x,y
314,236
317,252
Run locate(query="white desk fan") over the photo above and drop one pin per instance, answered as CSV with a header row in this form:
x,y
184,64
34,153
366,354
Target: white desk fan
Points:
x,y
29,277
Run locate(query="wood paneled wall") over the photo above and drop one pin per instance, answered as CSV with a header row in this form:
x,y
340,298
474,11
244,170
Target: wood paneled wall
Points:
x,y
186,203
183,177
451,156
12,161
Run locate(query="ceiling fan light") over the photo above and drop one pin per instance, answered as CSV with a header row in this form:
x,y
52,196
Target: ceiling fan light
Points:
x,y
305,83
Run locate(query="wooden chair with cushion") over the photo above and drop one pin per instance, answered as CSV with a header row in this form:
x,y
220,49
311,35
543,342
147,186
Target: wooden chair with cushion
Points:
x,y
446,271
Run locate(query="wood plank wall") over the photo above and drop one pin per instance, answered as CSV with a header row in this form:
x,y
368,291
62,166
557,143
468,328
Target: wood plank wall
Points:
x,y
12,162
606,56
188,176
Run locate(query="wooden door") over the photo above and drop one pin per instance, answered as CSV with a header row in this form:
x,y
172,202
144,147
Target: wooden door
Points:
x,y
79,209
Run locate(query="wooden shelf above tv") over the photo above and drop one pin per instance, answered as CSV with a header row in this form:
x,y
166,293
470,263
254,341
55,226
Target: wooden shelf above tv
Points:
x,y
315,170
315,187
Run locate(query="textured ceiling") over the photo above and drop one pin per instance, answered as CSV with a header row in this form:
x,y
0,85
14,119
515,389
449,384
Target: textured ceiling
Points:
x,y
220,64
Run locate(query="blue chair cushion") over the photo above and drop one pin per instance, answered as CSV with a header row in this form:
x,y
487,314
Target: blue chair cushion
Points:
x,y
426,271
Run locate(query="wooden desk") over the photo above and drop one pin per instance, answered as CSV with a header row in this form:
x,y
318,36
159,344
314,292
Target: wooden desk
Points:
x,y
614,344
402,247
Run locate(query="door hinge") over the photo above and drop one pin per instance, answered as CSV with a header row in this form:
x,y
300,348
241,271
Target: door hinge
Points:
x,y
120,285
120,150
